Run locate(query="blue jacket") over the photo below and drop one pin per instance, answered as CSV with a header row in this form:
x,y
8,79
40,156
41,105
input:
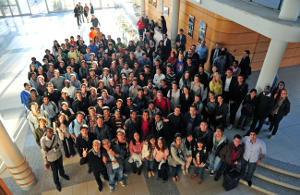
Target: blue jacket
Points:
x,y
24,97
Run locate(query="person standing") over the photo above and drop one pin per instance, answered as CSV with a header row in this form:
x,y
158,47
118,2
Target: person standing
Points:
x,y
280,110
245,64
95,21
86,12
81,12
25,95
141,26
181,38
51,144
92,11
77,14
94,159
231,154
255,150
202,51
263,108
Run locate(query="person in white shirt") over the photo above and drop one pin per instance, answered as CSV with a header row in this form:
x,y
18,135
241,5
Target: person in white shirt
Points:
x,y
69,89
158,77
255,150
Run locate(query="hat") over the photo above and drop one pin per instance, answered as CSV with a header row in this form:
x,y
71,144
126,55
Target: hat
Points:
x,y
121,130
42,118
82,61
99,98
100,116
84,126
80,112
65,103
119,100
105,108
32,89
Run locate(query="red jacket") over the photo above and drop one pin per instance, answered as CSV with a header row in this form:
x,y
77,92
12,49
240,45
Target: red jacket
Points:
x,y
140,24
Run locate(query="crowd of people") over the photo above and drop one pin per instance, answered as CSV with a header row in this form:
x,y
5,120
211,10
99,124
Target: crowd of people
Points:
x,y
147,106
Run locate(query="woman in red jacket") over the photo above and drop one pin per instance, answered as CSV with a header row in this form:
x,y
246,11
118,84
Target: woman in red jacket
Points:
x,y
141,25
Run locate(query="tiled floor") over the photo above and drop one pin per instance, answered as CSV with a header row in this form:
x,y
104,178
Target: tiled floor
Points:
x,y
24,37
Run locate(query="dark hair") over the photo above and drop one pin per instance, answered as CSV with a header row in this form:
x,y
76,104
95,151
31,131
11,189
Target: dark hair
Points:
x,y
133,140
164,147
247,51
148,141
238,136
253,90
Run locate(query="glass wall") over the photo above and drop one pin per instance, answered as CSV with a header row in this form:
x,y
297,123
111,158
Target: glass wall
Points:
x,y
24,6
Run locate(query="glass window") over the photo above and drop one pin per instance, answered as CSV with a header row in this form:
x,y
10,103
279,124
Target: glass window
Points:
x,y
24,6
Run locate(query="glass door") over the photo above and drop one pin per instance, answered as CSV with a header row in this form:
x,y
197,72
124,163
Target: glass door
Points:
x,y
38,6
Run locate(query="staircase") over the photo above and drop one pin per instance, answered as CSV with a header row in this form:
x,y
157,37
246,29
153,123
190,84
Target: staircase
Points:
x,y
276,177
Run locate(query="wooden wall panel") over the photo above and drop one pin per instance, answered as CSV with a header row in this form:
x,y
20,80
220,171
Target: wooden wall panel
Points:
x,y
234,37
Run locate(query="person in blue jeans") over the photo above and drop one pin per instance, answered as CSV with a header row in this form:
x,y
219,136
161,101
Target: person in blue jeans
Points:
x,y
219,140
199,160
176,160
114,165
147,155
255,150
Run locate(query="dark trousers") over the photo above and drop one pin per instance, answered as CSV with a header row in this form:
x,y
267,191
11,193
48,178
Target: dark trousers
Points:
x,y
136,169
141,32
226,96
163,171
250,171
175,170
149,165
244,120
57,166
233,110
275,120
261,121
78,20
224,168
97,178
68,147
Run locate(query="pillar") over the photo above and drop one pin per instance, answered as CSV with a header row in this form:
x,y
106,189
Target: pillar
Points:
x,y
174,23
14,161
142,2
290,10
271,64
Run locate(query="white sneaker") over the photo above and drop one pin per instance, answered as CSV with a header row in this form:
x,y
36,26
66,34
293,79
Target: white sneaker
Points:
x,y
183,172
111,189
186,171
122,184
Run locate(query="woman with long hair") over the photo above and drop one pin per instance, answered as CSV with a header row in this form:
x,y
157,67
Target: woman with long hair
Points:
x,y
62,128
161,153
216,85
135,148
147,155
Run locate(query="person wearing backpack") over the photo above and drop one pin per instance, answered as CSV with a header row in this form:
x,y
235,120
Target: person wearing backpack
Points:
x,y
51,145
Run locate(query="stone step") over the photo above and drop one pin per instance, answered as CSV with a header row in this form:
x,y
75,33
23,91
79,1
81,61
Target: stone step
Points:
x,y
280,167
269,188
278,178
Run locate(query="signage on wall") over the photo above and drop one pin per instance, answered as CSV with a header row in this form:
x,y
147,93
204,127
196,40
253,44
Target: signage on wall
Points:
x,y
202,31
166,11
154,3
191,25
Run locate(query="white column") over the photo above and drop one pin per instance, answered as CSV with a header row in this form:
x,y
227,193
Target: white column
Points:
x,y
174,23
142,2
14,161
161,6
290,10
271,64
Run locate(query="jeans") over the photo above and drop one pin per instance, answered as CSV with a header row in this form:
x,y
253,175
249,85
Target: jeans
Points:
x,y
118,172
57,166
214,162
175,170
149,165
250,171
199,172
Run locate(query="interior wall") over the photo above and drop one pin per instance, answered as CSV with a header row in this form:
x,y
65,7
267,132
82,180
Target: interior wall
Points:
x,y
234,37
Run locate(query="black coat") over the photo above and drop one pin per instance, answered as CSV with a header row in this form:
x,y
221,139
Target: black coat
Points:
x,y
182,41
245,67
239,92
232,84
211,59
104,132
248,106
176,124
95,163
82,143
284,109
263,105
192,124
206,137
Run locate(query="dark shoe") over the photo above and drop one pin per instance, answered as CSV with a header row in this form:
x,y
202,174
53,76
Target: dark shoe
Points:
x,y
216,178
66,177
58,187
249,183
89,171
139,171
100,188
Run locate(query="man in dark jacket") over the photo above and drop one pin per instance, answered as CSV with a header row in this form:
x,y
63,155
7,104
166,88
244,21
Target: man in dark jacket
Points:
x,y
181,38
245,64
280,109
239,92
94,159
175,122
84,142
133,124
102,131
205,134
192,120
230,155
263,108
